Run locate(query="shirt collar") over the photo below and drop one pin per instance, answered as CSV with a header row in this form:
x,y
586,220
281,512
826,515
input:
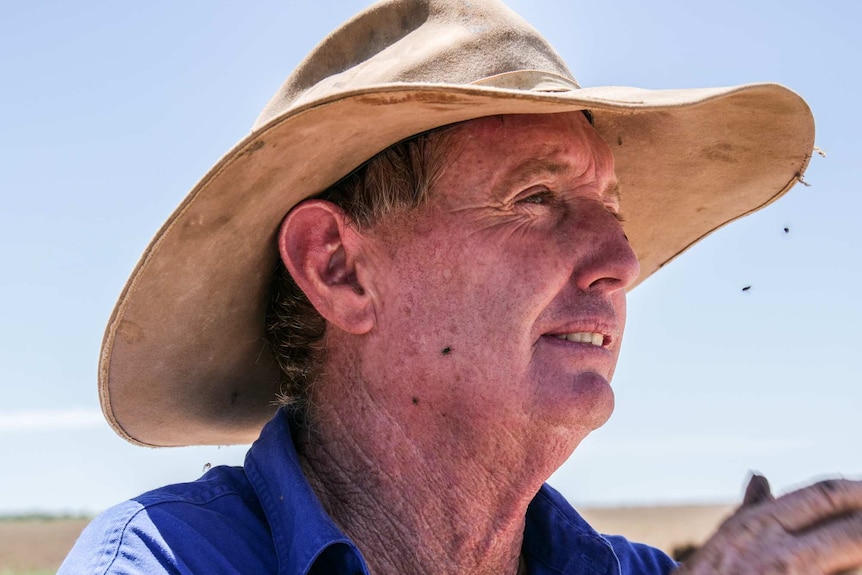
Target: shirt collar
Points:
x,y
306,539
558,540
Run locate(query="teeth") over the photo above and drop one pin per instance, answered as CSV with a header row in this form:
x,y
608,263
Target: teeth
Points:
x,y
593,338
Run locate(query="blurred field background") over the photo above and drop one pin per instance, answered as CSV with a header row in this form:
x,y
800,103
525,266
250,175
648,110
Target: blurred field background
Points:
x,y
36,545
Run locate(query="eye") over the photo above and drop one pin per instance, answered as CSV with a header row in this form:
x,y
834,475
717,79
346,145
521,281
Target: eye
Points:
x,y
538,196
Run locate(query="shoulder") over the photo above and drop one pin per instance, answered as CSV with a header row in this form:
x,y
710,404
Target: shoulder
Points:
x,y
205,526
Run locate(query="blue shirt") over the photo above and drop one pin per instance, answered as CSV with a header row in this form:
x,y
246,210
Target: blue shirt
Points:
x,y
264,518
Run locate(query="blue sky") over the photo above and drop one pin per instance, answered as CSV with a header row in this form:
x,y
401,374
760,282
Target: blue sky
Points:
x,y
110,112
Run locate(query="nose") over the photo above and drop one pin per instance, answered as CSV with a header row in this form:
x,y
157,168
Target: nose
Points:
x,y
606,259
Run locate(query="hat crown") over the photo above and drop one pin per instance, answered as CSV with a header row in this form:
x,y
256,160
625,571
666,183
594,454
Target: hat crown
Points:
x,y
454,42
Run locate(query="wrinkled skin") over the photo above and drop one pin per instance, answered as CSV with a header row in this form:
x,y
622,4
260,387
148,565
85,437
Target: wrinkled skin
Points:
x,y
813,531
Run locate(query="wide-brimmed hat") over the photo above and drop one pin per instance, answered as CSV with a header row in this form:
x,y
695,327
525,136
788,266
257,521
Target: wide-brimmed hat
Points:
x,y
184,359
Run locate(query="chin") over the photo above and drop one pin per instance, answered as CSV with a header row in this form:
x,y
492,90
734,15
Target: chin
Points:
x,y
584,403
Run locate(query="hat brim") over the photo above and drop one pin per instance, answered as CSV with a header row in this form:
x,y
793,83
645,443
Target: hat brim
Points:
x,y
184,361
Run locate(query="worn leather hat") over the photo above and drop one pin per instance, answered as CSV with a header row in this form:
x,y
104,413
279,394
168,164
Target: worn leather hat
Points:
x,y
184,359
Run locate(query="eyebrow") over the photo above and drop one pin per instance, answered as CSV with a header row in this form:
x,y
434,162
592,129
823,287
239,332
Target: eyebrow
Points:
x,y
536,167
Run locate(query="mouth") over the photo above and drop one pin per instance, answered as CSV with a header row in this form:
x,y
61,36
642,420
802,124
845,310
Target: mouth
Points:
x,y
590,337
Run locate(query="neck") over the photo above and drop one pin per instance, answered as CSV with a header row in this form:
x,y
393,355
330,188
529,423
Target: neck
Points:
x,y
439,523
419,497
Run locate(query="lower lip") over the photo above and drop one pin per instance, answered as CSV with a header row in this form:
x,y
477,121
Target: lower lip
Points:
x,y
574,356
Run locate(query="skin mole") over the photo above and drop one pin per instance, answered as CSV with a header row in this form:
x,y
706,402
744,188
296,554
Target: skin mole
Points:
x,y
446,350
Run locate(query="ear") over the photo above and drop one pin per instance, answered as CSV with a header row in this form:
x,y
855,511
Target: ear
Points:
x,y
320,250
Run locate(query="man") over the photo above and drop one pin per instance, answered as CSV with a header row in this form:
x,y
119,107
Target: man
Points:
x,y
419,252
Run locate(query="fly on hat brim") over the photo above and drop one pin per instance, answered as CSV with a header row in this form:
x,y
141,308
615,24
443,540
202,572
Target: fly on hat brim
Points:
x,y
184,361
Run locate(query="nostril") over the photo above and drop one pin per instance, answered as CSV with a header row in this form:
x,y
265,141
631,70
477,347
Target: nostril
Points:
x,y
607,282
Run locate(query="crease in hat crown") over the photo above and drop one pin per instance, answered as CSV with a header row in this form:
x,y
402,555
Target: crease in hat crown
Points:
x,y
184,359
419,42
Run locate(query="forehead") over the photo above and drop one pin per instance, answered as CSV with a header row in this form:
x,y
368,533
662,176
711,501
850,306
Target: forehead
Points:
x,y
515,149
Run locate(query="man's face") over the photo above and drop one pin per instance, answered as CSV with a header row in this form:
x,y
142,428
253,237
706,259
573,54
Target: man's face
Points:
x,y
501,302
